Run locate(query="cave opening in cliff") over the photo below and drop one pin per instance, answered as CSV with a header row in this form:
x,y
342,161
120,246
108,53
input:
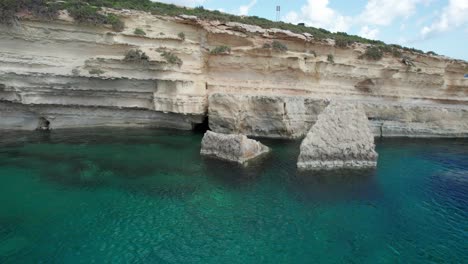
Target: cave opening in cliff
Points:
x,y
43,124
201,127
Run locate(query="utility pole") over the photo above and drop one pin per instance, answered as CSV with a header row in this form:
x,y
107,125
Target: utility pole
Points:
x,y
278,13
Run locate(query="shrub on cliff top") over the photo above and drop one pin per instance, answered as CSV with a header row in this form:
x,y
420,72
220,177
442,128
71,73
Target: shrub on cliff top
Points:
x,y
158,8
372,53
396,53
117,24
85,13
82,12
342,42
39,8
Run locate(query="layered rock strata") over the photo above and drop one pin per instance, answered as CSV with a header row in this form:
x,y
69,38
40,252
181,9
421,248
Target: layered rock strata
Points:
x,y
340,139
76,75
235,147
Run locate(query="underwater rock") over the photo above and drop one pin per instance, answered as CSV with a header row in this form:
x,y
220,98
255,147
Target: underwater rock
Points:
x,y
236,148
340,139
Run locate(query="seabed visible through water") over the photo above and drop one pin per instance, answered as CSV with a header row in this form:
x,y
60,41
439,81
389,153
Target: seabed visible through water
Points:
x,y
147,196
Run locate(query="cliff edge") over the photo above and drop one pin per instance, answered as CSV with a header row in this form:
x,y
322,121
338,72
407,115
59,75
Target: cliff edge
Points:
x,y
175,71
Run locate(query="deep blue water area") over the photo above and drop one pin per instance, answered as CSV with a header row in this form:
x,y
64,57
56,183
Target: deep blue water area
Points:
x,y
146,196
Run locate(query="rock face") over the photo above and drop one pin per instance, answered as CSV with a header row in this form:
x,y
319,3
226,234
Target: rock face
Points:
x,y
340,139
262,115
76,75
236,148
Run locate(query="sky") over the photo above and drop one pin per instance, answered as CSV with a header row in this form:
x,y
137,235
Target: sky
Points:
x,y
429,25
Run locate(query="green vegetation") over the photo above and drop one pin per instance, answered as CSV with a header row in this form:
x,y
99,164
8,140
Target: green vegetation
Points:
x,y
139,31
39,8
95,71
330,58
431,53
396,53
87,11
181,35
171,58
221,50
86,14
342,42
278,46
117,24
373,53
89,14
136,55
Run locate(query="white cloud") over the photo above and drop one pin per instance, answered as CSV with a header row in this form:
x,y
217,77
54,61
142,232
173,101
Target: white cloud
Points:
x,y
454,15
244,9
183,2
384,12
369,33
317,13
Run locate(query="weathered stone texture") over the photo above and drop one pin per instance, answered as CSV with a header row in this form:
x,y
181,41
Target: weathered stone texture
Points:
x,y
341,138
236,148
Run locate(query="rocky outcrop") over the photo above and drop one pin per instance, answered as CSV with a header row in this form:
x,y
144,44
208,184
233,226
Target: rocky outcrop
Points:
x,y
262,115
235,147
76,75
340,139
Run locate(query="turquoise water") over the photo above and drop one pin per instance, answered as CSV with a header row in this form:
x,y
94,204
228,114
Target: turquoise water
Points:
x,y
146,196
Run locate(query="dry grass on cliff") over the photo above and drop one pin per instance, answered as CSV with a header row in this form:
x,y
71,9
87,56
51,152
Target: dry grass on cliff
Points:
x,y
88,11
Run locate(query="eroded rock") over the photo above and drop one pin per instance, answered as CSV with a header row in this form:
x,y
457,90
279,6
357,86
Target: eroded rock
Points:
x,y
236,148
340,139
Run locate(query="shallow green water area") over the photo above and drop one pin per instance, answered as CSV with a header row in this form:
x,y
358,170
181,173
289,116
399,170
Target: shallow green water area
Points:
x,y
146,196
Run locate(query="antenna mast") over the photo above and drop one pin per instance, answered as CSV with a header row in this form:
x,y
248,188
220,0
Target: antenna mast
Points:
x,y
278,13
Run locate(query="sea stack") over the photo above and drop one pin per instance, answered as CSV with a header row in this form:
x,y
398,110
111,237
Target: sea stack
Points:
x,y
232,147
340,139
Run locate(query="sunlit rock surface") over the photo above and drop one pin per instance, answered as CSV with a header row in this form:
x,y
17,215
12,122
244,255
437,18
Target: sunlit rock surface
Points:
x,y
75,75
340,139
233,147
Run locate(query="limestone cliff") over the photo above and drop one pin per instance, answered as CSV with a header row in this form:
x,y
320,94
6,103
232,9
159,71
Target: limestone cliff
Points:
x,y
75,75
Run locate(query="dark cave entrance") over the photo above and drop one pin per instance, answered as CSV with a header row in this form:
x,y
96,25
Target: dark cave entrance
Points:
x,y
201,127
43,124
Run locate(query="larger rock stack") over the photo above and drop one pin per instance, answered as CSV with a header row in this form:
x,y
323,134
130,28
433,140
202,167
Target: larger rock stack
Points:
x,y
233,147
340,139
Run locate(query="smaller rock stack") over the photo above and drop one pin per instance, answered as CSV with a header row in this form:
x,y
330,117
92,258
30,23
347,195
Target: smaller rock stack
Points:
x,y
236,148
340,139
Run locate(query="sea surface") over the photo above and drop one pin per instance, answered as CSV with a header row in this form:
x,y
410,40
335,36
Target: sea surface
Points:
x,y
146,196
